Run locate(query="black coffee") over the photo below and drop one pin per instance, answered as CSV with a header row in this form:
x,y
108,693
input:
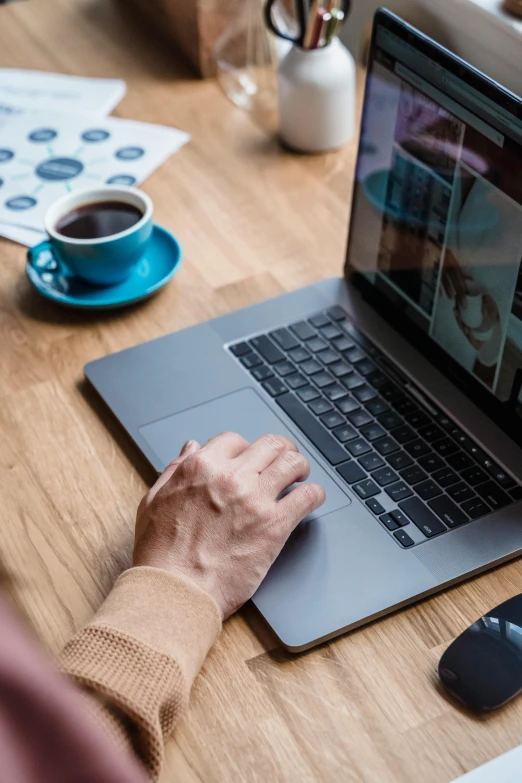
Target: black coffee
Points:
x,y
101,219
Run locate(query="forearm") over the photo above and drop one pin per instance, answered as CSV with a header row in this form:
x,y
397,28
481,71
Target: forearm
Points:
x,y
139,655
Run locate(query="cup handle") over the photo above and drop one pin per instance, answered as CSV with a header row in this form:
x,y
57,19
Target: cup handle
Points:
x,y
42,258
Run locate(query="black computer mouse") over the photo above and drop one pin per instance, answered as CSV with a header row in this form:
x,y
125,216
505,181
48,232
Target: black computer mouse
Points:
x,y
483,667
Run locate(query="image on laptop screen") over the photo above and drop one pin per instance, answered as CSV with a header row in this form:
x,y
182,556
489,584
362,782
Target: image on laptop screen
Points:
x,y
437,215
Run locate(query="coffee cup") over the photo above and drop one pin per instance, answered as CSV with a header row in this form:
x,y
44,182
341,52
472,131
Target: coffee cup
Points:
x,y
101,234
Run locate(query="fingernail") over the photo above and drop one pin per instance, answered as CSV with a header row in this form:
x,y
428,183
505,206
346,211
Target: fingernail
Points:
x,y
188,445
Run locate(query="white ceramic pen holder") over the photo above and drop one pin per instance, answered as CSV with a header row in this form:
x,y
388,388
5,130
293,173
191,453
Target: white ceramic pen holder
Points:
x,y
317,98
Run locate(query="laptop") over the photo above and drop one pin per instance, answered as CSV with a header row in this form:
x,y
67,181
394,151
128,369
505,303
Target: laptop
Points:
x,y
401,382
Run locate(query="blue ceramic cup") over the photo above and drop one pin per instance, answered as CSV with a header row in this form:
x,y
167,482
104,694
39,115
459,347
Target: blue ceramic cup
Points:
x,y
106,260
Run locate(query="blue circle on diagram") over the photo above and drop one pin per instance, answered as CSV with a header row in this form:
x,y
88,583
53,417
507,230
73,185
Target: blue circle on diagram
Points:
x,y
59,169
95,135
130,153
43,134
20,202
6,155
121,179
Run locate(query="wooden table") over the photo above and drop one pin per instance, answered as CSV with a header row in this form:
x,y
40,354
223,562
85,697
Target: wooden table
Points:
x,y
254,221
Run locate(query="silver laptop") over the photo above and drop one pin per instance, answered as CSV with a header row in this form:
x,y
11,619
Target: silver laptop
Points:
x,y
401,382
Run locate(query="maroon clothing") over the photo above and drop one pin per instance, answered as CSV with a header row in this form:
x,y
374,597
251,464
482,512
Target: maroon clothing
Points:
x,y
46,733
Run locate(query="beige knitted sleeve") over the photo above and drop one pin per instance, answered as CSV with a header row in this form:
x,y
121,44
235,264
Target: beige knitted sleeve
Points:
x,y
139,655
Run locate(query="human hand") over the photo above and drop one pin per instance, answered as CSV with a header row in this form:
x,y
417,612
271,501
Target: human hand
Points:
x,y
214,516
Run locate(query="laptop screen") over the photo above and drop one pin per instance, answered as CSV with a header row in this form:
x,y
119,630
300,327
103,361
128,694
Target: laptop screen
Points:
x,y
436,228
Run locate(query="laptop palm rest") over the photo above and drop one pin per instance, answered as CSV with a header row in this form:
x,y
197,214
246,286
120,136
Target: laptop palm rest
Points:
x,y
243,412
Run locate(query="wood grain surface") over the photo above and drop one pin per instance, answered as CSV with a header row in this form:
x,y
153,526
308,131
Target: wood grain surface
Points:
x,y
254,221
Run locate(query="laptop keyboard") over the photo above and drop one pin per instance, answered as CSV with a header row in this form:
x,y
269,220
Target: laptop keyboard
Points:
x,y
356,408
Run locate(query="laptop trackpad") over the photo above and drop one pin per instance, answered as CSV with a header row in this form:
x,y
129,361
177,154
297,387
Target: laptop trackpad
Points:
x,y
243,412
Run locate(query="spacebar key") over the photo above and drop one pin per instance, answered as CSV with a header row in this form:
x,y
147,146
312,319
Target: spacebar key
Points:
x,y
314,431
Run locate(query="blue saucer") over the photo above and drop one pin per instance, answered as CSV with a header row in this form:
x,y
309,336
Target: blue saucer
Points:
x,y
54,281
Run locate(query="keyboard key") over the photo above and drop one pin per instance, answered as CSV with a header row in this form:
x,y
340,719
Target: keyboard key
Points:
x,y
448,511
344,433
296,381
516,493
351,472
413,475
352,381
474,475
422,517
417,448
283,338
428,489
337,313
354,355
320,406
399,491
460,492
371,461
298,355
328,357
274,387
431,462
335,392
496,472
316,345
493,495
303,330
366,489
459,461
358,447
390,420
400,517
332,420
431,433
250,360
375,506
339,369
377,407
284,368
373,432
385,476
405,406
399,460
403,538
343,344
270,352
323,379
310,367
417,419
445,447
240,349
386,446
391,393
365,394
365,368
319,320
314,431
446,477
262,373
389,522
308,393
444,421
347,405
331,331
359,417
404,434
476,508
378,379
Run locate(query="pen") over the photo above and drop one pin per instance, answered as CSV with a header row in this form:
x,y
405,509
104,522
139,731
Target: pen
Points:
x,y
334,24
